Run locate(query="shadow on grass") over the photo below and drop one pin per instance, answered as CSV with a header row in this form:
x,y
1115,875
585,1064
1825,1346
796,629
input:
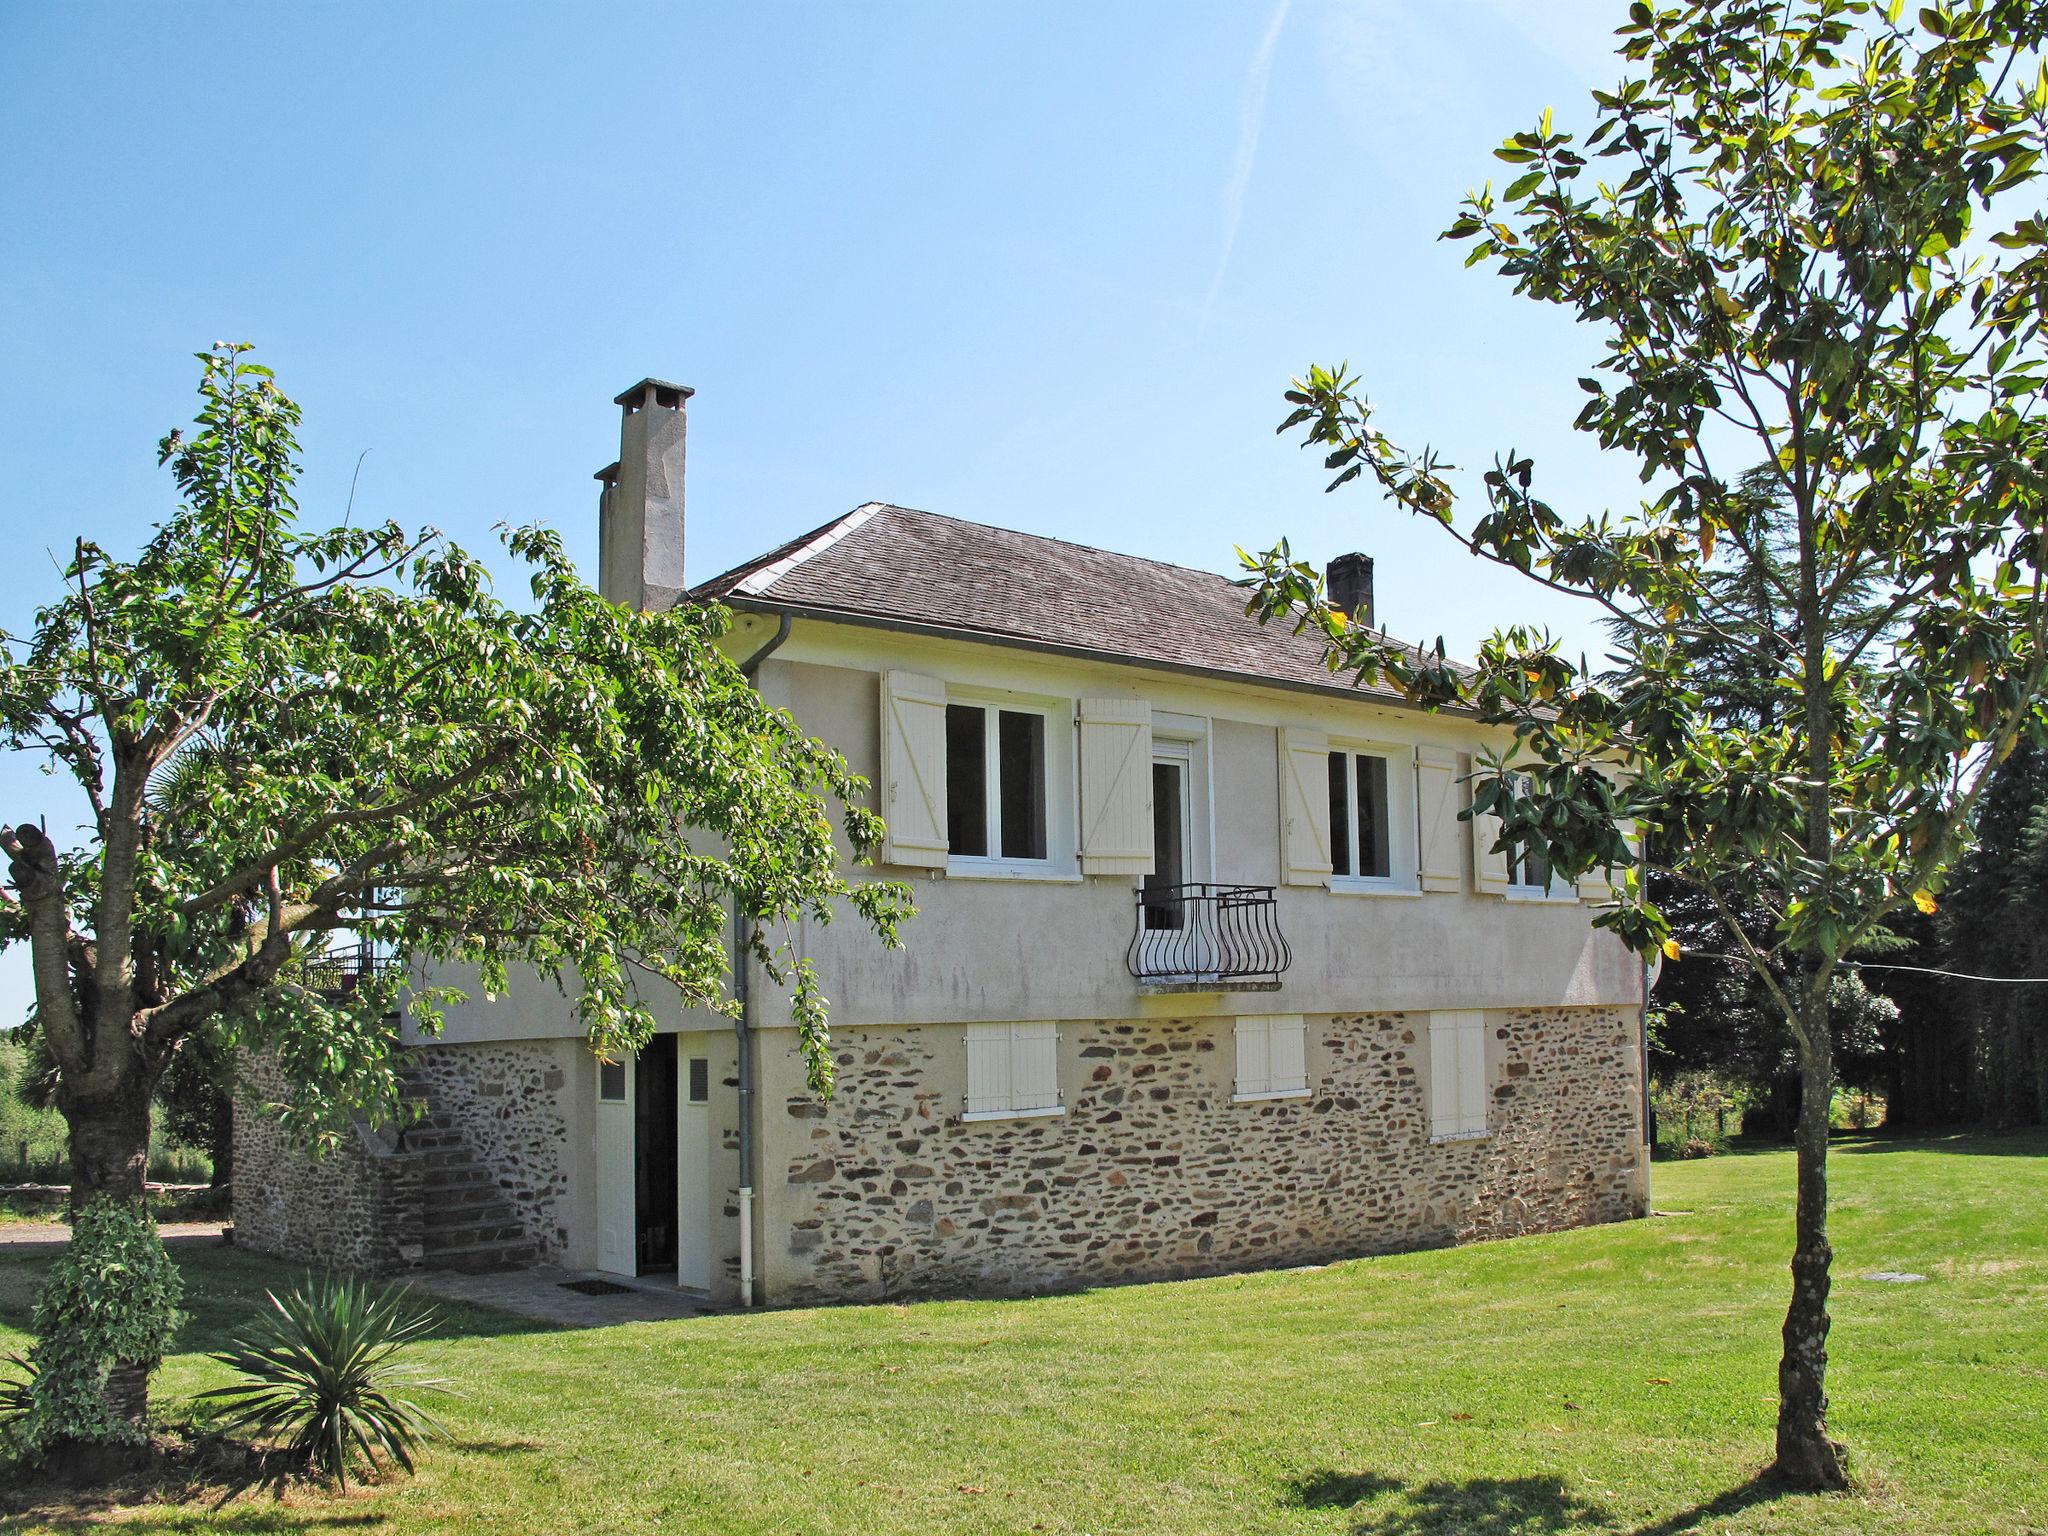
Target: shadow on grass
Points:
x,y
2030,1142
1492,1506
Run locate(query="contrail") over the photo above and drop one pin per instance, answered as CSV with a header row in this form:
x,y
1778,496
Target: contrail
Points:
x,y
1251,117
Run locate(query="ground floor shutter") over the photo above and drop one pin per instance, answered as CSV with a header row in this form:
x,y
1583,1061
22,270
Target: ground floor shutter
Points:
x,y
1457,1073
1034,1066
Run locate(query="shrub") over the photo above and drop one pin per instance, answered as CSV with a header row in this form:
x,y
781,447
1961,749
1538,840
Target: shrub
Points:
x,y
110,1305
1699,1146
325,1379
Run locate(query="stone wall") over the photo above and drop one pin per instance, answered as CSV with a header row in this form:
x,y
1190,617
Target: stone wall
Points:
x,y
356,1208
508,1100
1154,1172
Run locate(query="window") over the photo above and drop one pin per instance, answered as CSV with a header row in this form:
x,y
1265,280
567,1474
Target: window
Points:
x,y
1172,850
995,783
1457,1075
1529,873
611,1081
1012,1071
1359,816
1271,1058
700,1080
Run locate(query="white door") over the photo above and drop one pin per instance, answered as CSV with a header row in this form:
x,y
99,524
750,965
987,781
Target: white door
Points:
x,y
693,1165
617,1252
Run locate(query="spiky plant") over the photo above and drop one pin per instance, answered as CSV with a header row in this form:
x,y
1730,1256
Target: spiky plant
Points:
x,y
324,1378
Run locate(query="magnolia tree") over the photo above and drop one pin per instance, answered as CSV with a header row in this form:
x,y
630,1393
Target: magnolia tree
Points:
x,y
1806,235
275,737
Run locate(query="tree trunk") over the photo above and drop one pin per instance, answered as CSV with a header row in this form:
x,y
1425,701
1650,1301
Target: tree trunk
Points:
x,y
1807,1458
109,1158
109,1141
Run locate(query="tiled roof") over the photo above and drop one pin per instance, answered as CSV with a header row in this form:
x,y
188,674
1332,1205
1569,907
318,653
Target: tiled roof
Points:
x,y
892,565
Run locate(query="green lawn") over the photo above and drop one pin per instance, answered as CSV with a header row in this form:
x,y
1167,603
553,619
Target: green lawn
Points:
x,y
1617,1379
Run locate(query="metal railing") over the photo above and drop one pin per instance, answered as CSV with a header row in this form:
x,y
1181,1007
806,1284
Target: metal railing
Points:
x,y
345,967
1201,933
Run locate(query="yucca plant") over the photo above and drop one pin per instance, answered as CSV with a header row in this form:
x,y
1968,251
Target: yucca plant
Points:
x,y
324,1378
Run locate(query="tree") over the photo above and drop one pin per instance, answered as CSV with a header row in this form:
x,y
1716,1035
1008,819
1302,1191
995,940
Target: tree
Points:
x,y
281,736
1816,252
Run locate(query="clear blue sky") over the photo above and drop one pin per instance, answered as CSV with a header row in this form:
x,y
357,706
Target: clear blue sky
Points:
x,y
1043,266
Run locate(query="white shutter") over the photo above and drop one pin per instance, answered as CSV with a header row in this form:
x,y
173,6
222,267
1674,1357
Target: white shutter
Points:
x,y
1472,1072
1254,1056
1600,884
914,769
1034,1066
988,1068
1457,1073
1116,787
1287,1058
1443,1074
1304,807
1489,867
1442,861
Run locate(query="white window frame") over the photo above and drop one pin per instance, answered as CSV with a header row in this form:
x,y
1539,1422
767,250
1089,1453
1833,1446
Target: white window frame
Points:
x,y
1404,830
1061,834
1254,1082
1460,1105
1005,1037
1520,890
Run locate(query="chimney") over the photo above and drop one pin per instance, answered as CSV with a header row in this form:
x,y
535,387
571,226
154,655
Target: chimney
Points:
x,y
1348,582
640,503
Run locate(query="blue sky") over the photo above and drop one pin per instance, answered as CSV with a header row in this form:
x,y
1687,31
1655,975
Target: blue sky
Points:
x,y
1047,267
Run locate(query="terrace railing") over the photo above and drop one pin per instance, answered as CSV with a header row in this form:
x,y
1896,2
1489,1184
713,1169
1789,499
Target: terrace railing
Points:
x,y
1203,935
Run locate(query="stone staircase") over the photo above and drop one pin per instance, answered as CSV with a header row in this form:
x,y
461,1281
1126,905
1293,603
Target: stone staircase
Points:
x,y
466,1222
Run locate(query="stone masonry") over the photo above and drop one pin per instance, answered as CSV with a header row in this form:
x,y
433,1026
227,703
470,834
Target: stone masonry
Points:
x,y
361,1206
1154,1172
356,1208
507,1099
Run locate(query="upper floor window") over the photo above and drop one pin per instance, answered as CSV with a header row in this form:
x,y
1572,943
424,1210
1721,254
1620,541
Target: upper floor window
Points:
x,y
1372,819
995,783
1529,872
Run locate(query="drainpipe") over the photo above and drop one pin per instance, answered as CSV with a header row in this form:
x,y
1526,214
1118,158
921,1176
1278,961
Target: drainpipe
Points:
x,y
743,1031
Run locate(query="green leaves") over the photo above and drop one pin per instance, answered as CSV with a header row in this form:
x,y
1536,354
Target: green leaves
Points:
x,y
1838,421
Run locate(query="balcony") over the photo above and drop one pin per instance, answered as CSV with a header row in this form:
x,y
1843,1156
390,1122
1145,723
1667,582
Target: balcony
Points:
x,y
1208,938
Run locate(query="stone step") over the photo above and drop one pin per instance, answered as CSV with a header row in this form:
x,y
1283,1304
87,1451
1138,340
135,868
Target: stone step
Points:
x,y
417,1140
444,1239
463,1200
483,1258
456,1176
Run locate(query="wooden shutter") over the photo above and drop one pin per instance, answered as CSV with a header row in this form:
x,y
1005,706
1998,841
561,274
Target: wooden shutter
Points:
x,y
1600,884
1254,1056
1457,1073
1034,1066
914,770
1442,860
1286,1055
988,1069
1489,867
1116,787
1472,1072
1304,807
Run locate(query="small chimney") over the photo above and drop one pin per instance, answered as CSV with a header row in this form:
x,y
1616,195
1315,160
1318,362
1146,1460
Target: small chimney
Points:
x,y
640,500
1348,582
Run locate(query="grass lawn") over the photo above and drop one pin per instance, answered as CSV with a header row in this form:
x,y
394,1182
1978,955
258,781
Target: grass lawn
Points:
x,y
1616,1379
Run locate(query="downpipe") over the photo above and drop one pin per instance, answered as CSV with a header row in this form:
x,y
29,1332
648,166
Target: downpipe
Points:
x,y
743,1030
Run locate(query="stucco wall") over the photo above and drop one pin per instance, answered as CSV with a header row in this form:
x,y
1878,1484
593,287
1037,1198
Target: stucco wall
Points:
x,y
1153,1172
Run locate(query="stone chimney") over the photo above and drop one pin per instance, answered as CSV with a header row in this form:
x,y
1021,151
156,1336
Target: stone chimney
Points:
x,y
640,500
1348,582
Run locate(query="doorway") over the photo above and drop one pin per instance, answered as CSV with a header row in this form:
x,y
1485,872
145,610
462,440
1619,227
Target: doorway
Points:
x,y
655,1182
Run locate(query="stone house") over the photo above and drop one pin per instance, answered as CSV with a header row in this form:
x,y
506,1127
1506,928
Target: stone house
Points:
x,y
1208,973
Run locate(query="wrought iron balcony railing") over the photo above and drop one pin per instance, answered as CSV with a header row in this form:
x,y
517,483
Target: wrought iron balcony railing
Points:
x,y
1216,936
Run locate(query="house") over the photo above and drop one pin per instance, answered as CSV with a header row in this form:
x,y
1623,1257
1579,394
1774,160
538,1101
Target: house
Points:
x,y
1208,973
